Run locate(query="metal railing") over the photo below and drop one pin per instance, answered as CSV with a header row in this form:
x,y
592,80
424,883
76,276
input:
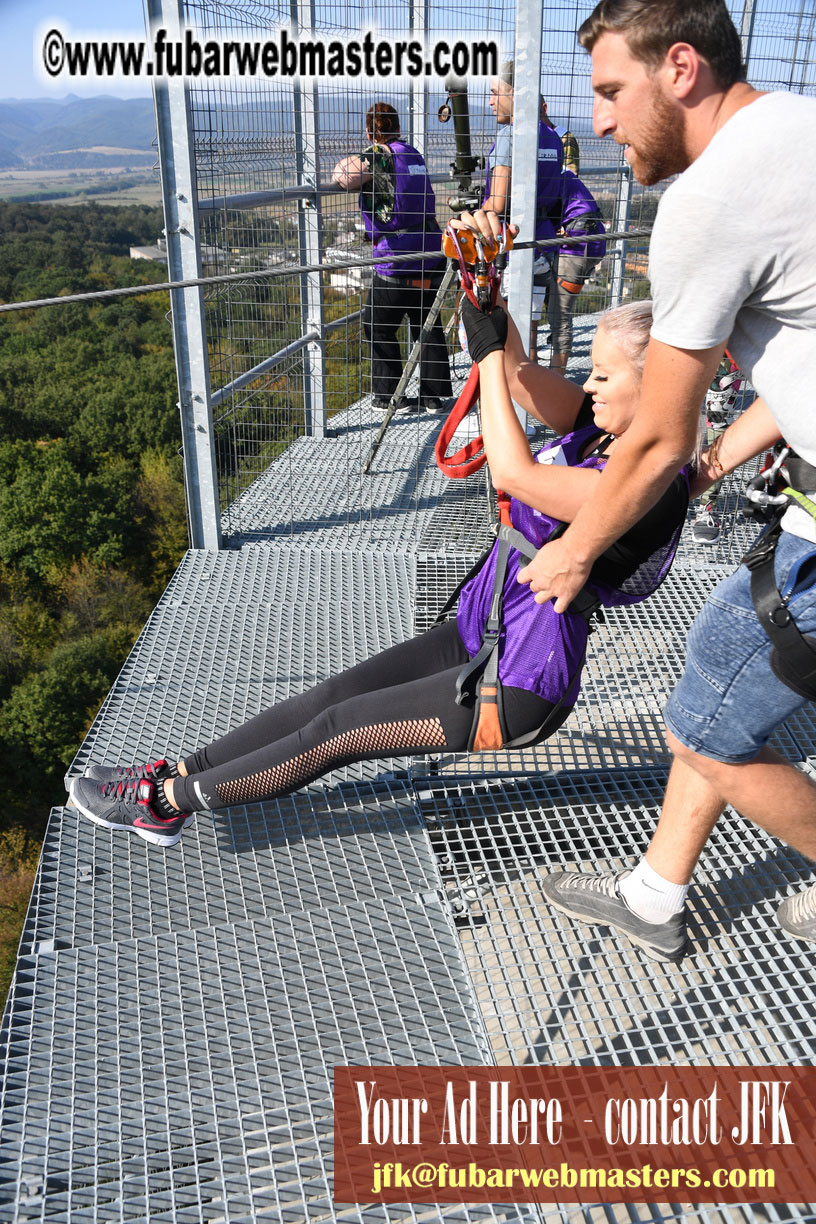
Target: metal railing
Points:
x,y
279,357
264,358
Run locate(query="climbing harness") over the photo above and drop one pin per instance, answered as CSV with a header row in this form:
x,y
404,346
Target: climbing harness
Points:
x,y
774,490
480,267
478,681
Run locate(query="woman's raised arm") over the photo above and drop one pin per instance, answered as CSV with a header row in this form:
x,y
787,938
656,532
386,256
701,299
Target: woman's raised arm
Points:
x,y
554,488
547,396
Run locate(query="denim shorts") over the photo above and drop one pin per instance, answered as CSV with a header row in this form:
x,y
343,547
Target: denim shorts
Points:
x,y
729,701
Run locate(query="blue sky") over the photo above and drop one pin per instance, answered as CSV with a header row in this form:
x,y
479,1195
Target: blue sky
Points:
x,y
21,20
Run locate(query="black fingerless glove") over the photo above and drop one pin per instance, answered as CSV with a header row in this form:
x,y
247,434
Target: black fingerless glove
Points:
x,y
486,333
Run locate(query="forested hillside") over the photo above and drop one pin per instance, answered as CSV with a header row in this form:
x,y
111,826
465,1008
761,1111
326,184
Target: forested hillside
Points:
x,y
92,517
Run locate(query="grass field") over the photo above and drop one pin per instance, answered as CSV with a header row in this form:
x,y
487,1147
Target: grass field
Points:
x,y
76,186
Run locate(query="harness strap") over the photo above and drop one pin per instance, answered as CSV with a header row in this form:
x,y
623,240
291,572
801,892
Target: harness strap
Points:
x,y
471,457
809,482
586,603
479,679
460,586
476,668
570,286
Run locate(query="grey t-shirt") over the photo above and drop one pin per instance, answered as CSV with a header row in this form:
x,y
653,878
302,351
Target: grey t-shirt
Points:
x,y
733,257
502,152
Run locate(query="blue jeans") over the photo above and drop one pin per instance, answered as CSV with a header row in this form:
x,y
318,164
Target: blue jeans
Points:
x,y
729,701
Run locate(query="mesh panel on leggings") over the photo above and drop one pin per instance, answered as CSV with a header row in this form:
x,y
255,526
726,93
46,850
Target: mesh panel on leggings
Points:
x,y
380,739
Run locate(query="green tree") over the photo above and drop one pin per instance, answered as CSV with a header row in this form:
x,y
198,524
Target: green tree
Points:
x,y
50,512
48,713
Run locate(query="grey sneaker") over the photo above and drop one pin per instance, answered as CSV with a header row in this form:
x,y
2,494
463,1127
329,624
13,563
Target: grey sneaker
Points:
x,y
154,770
130,806
797,914
706,527
596,898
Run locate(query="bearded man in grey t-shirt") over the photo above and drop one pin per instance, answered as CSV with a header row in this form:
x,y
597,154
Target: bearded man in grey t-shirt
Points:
x,y
731,264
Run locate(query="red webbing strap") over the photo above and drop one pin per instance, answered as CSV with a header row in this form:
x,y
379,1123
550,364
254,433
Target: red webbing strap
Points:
x,y
471,457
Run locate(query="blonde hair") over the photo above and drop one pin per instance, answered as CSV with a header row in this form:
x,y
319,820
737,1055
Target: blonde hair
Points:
x,y
630,327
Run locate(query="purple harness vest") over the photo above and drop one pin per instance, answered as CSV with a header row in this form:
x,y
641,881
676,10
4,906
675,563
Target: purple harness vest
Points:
x,y
548,179
539,649
579,206
413,226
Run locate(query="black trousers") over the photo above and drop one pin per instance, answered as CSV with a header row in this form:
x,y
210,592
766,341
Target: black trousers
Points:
x,y
401,701
392,298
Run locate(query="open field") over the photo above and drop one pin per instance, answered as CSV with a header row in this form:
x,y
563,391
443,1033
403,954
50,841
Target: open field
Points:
x,y
75,186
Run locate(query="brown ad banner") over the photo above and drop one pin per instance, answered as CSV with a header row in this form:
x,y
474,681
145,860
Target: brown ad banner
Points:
x,y
575,1134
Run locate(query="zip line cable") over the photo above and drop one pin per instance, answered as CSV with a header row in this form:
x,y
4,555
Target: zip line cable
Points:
x,y
295,269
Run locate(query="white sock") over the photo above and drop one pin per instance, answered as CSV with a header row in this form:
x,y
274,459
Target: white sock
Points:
x,y
650,896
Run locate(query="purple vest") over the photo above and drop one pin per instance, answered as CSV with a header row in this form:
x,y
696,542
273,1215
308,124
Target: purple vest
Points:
x,y
548,180
578,202
539,649
413,226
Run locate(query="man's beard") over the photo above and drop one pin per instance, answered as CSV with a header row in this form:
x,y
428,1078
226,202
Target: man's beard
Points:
x,y
661,150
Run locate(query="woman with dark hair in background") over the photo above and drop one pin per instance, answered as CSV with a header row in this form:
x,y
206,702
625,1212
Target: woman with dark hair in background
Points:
x,y
399,212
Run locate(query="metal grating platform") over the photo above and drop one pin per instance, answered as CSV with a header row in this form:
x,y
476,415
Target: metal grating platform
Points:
x,y
234,633
552,990
307,851
187,1077
403,497
168,1043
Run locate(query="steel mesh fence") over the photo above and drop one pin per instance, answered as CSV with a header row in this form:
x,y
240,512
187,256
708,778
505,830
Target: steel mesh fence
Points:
x,y
264,152
287,353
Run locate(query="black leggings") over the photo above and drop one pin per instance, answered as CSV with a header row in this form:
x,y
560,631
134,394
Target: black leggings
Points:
x,y
402,701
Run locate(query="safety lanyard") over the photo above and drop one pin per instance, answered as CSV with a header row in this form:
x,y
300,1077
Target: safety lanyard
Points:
x,y
480,280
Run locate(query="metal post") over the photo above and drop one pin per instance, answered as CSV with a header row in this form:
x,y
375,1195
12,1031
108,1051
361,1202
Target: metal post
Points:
x,y
623,208
747,29
807,60
524,174
418,122
310,236
179,195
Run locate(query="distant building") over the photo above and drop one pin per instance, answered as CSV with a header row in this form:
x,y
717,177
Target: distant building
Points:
x,y
213,258
348,280
157,253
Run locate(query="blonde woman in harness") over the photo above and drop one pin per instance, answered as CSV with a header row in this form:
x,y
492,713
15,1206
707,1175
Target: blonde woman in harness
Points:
x,y
422,696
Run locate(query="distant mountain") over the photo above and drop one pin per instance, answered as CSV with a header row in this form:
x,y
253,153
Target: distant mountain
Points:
x,y
33,129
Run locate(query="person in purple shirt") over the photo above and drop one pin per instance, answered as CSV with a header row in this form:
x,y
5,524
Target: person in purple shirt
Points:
x,y
399,213
498,180
404,700
580,214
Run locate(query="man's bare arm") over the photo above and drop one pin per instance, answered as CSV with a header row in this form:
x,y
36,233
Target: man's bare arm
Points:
x,y
753,432
499,191
642,465
352,173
